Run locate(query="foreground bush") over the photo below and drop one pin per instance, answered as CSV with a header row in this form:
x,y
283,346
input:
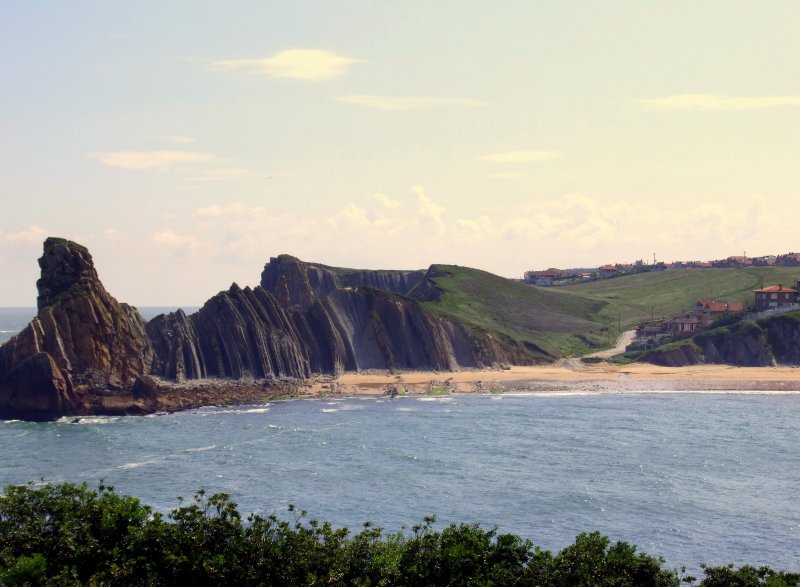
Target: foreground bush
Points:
x,y
73,535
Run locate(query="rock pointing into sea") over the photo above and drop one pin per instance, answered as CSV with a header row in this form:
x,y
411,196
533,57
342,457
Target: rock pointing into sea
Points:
x,y
86,353
82,341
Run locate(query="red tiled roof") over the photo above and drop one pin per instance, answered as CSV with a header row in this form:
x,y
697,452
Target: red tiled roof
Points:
x,y
775,288
716,306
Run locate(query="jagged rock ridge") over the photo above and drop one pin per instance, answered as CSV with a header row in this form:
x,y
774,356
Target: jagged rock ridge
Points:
x,y
81,341
87,353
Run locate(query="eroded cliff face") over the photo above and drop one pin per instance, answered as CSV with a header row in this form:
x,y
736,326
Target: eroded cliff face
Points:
x,y
357,320
745,344
87,353
308,324
237,334
82,341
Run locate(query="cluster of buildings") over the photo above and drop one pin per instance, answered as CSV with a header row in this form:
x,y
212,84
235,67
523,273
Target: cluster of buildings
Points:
x,y
553,276
706,312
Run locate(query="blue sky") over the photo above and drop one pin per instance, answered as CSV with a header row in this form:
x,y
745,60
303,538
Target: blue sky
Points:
x,y
187,142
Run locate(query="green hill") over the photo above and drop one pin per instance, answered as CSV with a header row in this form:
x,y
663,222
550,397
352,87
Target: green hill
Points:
x,y
561,325
573,320
633,298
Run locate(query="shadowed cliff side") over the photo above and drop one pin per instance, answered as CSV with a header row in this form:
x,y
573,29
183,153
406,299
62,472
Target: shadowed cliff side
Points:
x,y
768,342
237,334
82,341
348,327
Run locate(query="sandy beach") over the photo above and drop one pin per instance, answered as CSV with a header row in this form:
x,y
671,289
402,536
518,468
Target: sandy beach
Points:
x,y
567,376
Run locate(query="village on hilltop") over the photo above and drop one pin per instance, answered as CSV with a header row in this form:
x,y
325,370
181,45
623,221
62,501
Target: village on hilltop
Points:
x,y
705,313
555,277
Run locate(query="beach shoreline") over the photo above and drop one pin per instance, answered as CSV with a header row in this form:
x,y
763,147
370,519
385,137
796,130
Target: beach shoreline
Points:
x,y
565,376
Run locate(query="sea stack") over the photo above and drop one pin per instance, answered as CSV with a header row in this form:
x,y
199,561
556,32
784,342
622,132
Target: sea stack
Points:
x,y
82,343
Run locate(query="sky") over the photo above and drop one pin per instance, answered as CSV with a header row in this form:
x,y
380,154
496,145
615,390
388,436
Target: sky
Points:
x,y
187,142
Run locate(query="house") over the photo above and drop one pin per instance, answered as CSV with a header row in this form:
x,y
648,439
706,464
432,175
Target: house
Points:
x,y
774,296
546,277
688,322
717,307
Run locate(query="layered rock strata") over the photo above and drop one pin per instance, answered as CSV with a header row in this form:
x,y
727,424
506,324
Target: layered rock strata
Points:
x,y
81,342
87,353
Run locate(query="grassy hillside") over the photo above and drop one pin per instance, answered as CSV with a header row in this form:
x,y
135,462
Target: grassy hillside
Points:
x,y
568,320
560,324
636,297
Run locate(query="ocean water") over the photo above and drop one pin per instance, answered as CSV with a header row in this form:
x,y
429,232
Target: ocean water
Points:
x,y
692,477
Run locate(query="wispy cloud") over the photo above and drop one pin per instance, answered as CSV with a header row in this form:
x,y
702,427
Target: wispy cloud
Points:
x,y
385,200
302,64
174,138
522,156
398,103
719,102
138,160
174,242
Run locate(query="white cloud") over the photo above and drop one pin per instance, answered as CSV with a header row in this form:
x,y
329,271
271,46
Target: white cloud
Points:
x,y
302,64
719,102
385,200
176,242
174,138
163,160
428,209
522,156
398,103
32,235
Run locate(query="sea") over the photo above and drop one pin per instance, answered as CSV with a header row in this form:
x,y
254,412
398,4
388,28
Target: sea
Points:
x,y
693,477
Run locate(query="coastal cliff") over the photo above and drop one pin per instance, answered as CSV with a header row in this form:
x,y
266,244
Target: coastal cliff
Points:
x,y
86,353
81,343
768,342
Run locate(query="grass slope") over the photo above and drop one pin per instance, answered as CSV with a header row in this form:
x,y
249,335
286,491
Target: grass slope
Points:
x,y
633,298
561,325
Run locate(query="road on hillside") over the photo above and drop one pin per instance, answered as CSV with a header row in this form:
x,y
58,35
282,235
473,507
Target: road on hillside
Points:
x,y
623,341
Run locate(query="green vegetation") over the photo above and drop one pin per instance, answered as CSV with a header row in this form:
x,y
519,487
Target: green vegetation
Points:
x,y
69,535
634,298
541,320
576,319
437,391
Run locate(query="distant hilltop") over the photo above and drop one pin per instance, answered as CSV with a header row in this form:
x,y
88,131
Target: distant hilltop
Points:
x,y
554,276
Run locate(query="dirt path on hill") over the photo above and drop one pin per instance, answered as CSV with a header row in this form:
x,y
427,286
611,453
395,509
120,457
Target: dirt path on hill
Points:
x,y
623,341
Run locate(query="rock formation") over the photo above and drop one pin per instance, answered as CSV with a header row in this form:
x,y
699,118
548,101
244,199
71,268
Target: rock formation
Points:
x,y
81,341
87,353
744,344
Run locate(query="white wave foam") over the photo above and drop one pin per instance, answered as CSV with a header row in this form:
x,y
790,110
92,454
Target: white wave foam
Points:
x,y
201,448
434,399
134,465
328,410
240,411
88,420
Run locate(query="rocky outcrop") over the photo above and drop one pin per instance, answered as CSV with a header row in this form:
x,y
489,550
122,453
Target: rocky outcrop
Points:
x,y
237,334
399,282
87,353
82,341
744,344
